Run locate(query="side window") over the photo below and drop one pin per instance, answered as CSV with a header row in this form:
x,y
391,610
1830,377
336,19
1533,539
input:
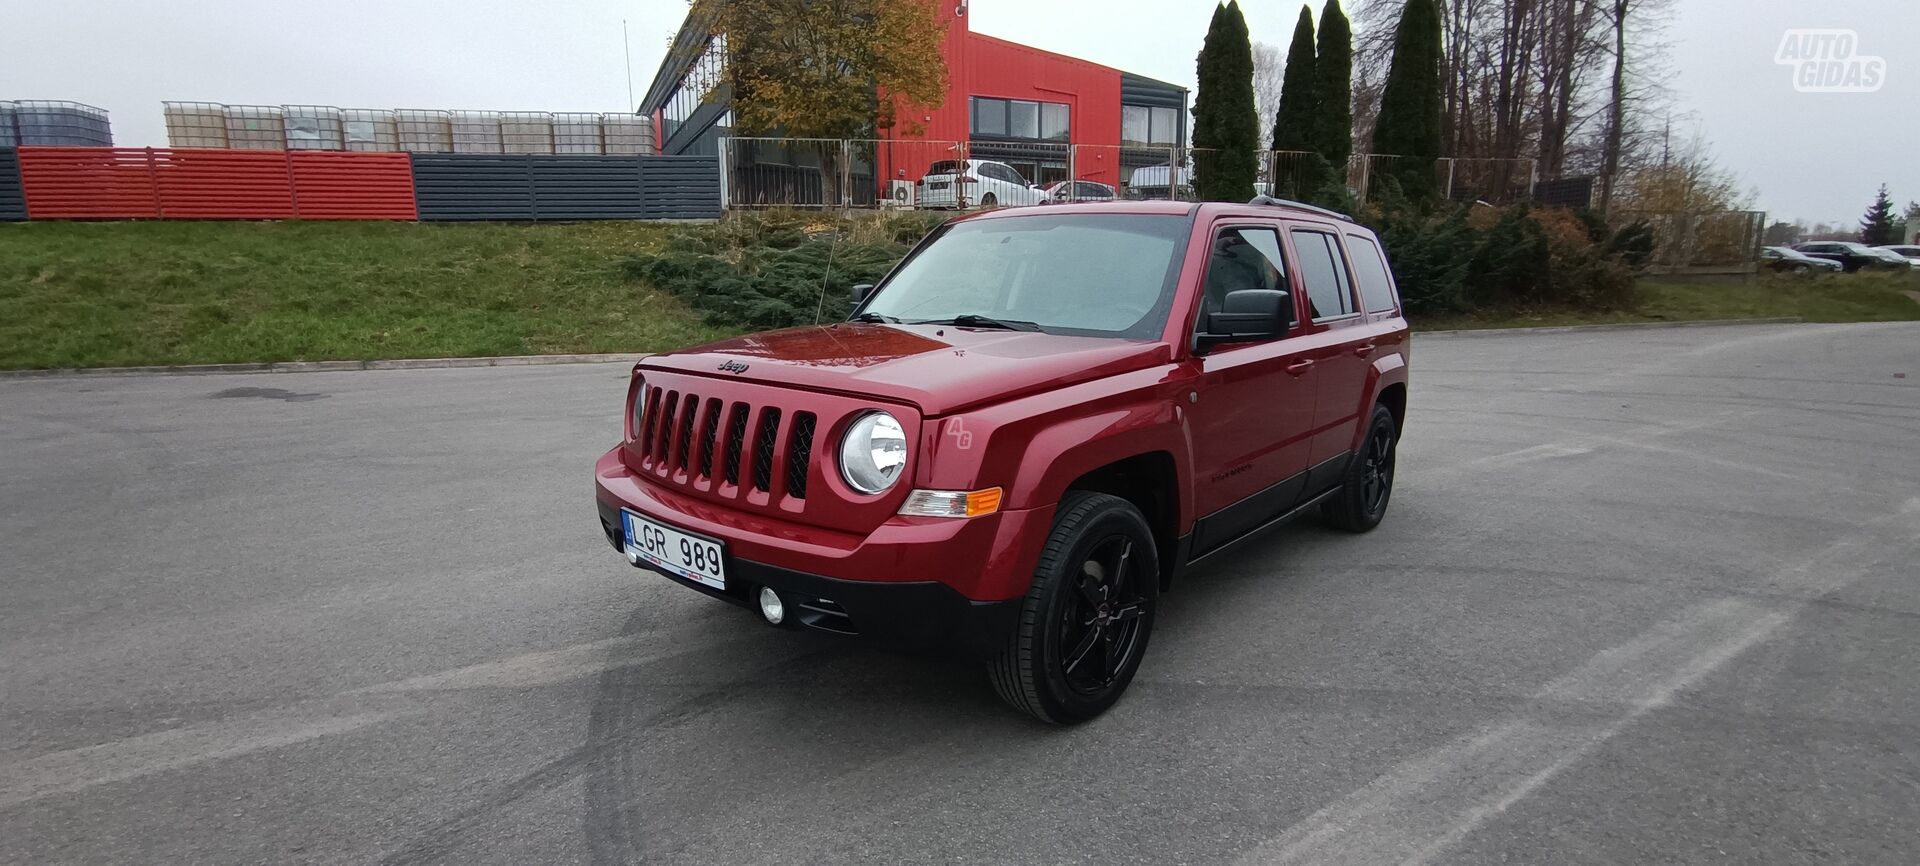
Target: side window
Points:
x,y
1243,258
1324,273
1376,285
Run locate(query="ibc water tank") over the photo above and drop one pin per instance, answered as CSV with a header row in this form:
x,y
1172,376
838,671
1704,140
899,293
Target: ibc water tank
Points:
x,y
52,123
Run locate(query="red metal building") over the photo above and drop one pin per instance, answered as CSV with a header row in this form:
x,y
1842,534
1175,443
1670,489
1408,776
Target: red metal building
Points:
x,y
1008,102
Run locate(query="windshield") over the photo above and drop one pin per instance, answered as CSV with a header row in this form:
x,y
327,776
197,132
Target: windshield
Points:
x,y
1108,275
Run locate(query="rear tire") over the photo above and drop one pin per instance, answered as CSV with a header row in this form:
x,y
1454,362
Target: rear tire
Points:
x,y
1085,622
1363,495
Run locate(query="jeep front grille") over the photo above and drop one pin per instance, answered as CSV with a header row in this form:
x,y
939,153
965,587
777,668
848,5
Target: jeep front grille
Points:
x,y
684,436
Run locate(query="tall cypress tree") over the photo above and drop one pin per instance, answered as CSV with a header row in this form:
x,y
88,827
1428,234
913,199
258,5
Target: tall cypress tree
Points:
x,y
1876,227
1409,123
1224,120
1296,124
1334,68
1206,118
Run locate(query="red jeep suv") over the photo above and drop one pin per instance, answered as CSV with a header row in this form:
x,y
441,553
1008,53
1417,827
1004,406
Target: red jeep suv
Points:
x,y
1026,433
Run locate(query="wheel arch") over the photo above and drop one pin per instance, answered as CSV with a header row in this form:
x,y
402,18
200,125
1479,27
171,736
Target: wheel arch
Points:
x,y
1151,482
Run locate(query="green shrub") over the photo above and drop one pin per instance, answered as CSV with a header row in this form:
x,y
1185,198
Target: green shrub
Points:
x,y
1474,259
780,268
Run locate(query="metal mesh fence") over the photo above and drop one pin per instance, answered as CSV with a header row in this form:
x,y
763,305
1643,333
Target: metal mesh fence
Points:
x,y
894,173
1715,242
785,172
831,173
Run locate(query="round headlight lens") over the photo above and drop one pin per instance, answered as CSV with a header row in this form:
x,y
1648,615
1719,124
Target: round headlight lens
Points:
x,y
874,452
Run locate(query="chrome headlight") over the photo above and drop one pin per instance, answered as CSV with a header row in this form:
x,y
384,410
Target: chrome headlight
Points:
x,y
873,453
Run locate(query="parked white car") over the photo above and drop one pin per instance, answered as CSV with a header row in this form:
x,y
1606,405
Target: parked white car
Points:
x,y
965,183
1910,252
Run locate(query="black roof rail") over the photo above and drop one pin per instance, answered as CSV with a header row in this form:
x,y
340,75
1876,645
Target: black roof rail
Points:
x,y
1270,201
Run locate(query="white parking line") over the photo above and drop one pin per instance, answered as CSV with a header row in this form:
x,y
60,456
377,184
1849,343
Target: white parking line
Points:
x,y
1426,805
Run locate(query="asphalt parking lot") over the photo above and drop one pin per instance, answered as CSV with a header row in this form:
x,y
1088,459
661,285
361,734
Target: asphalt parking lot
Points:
x,y
1643,595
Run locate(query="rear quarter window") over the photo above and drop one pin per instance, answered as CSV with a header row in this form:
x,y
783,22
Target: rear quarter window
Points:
x,y
1370,268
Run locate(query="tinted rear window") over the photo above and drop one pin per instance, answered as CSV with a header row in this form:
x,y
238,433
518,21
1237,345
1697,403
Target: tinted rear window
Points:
x,y
950,166
1376,286
1324,274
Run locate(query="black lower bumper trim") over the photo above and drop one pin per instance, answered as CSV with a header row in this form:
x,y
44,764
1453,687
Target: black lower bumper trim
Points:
x,y
917,615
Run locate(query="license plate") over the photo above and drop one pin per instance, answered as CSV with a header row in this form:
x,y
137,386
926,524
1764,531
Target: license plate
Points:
x,y
690,556
938,186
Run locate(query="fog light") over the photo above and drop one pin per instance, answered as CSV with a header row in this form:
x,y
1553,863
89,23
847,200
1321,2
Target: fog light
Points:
x,y
771,608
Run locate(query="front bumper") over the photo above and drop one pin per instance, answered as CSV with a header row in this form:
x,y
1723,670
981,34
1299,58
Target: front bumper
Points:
x,y
921,582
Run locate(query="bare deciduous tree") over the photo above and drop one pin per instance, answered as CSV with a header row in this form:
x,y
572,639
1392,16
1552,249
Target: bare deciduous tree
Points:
x,y
1269,71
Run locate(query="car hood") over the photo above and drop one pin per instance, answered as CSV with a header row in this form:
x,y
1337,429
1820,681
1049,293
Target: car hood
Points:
x,y
939,368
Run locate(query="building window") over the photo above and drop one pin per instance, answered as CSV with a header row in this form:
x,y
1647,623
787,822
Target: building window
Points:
x,y
989,116
1023,119
1141,126
1053,121
703,76
1020,118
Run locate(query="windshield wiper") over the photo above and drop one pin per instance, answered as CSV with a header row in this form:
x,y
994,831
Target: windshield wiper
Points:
x,y
874,317
974,321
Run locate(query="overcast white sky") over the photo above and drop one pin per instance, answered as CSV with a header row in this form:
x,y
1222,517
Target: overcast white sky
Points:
x,y
1813,157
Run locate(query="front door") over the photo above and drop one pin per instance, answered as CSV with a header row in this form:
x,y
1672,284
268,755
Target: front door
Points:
x,y
1252,404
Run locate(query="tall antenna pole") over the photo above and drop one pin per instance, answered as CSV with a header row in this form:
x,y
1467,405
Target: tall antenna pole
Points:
x,y
626,50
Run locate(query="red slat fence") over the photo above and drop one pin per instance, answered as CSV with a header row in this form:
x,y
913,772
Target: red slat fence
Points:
x,y
203,183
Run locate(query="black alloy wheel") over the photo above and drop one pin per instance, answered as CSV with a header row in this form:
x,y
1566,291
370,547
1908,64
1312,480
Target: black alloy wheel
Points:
x,y
1360,502
1087,618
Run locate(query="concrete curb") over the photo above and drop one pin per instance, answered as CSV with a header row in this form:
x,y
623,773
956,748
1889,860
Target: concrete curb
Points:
x,y
1619,326
325,366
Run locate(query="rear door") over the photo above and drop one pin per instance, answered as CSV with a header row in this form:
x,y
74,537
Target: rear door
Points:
x,y
1338,332
1252,406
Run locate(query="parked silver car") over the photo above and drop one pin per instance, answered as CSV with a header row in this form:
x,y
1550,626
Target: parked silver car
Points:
x,y
1079,190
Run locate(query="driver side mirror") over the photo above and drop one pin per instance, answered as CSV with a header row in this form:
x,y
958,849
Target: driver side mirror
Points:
x,y
1247,316
860,292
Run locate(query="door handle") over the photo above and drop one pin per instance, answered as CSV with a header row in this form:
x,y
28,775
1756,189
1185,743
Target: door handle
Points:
x,y
1300,367
1363,351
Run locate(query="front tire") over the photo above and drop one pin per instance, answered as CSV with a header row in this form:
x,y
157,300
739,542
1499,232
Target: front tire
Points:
x,y
1362,499
989,200
1085,622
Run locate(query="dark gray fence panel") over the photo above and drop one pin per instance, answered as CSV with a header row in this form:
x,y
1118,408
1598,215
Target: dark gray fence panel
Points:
x,y
680,187
587,187
13,199
473,186
484,186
